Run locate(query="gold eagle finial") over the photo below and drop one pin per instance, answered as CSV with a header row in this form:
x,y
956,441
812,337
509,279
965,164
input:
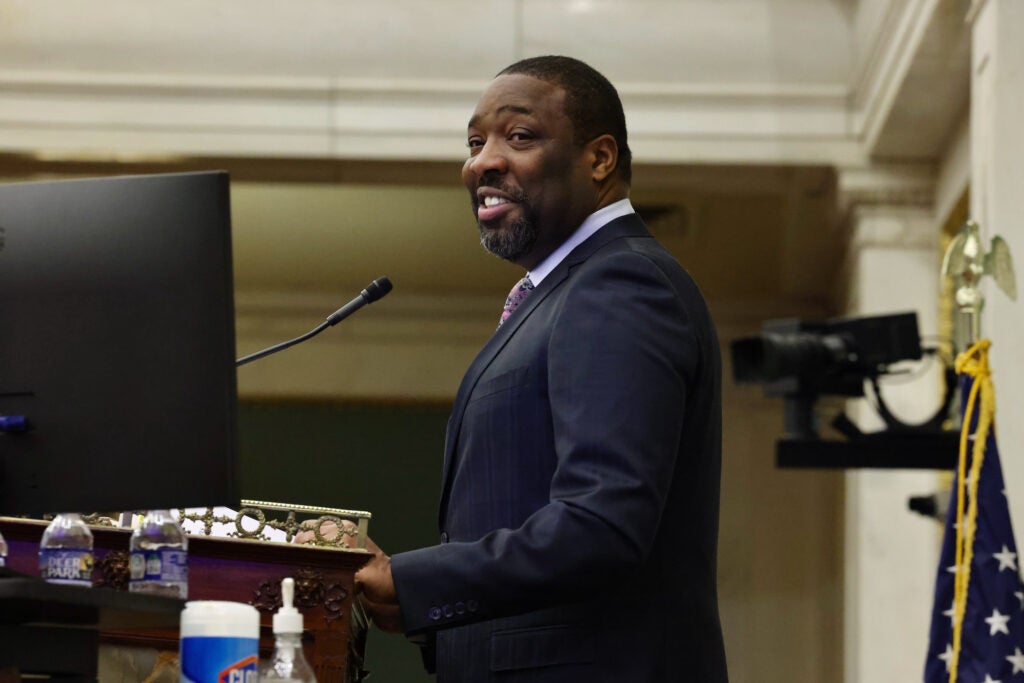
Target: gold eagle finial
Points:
x,y
967,262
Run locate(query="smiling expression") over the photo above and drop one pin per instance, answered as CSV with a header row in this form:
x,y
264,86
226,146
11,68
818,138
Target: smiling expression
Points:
x,y
529,184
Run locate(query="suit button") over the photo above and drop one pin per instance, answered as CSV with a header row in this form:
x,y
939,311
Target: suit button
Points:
x,y
434,613
448,611
472,605
460,607
444,537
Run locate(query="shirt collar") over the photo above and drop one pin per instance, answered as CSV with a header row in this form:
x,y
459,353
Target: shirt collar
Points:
x,y
592,224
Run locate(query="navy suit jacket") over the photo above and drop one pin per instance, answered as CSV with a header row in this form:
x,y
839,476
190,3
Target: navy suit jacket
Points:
x,y
580,491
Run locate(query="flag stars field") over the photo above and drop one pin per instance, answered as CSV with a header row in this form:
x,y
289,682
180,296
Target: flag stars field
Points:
x,y
1017,660
981,637
1007,559
947,656
951,613
997,623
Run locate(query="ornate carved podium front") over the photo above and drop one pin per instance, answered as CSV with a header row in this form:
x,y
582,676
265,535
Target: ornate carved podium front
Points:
x,y
239,570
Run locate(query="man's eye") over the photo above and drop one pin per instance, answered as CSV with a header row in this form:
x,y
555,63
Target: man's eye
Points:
x,y
520,136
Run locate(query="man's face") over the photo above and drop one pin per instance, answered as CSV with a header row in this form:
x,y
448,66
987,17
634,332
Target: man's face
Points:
x,y
529,185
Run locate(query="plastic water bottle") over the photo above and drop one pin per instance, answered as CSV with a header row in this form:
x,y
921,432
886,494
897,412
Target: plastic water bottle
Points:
x,y
159,556
288,663
65,551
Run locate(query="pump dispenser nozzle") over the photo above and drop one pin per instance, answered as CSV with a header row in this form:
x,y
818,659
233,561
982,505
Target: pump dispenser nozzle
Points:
x,y
288,663
288,619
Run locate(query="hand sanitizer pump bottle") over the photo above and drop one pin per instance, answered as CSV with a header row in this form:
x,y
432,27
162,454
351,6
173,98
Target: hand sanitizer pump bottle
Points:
x,y
288,663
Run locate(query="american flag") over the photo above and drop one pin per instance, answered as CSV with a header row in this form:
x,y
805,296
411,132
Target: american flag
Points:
x,y
989,647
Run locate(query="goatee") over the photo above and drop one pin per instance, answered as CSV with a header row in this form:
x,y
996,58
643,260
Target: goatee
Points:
x,y
511,243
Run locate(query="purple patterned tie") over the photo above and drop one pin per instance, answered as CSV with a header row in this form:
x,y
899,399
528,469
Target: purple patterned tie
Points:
x,y
515,297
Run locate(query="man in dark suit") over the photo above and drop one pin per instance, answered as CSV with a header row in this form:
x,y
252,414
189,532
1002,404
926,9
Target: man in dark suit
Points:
x,y
580,488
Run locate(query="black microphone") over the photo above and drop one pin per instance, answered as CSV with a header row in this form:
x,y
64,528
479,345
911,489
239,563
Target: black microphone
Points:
x,y
374,291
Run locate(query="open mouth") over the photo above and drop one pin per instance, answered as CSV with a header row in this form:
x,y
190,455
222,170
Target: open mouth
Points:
x,y
492,204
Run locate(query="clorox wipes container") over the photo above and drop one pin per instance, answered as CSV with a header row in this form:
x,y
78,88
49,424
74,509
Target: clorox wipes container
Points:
x,y
219,642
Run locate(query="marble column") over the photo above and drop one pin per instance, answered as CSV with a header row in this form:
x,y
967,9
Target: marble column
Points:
x,y
891,552
997,203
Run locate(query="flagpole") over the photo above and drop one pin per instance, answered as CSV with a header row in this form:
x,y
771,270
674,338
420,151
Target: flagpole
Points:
x,y
978,533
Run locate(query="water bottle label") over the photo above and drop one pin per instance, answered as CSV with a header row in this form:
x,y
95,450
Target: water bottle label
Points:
x,y
160,564
219,660
66,565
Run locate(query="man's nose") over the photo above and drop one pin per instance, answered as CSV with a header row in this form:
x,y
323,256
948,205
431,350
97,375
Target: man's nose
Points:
x,y
490,159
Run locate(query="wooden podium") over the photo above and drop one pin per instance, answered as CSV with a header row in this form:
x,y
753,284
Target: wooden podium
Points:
x,y
237,570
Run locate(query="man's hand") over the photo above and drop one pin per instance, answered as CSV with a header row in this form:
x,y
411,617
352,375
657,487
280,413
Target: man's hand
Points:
x,y
374,587
376,590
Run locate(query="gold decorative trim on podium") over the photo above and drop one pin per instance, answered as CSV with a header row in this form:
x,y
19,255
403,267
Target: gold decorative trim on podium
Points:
x,y
330,527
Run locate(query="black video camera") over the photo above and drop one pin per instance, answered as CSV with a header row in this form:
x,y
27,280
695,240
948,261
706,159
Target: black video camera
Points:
x,y
801,361
832,357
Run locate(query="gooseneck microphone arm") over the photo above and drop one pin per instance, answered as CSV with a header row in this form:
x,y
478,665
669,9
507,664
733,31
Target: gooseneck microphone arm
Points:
x,y
374,291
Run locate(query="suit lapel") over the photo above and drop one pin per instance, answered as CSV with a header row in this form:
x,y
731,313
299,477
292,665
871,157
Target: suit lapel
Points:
x,y
625,226
482,361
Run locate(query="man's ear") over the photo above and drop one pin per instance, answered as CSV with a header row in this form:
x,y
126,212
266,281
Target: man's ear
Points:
x,y
604,156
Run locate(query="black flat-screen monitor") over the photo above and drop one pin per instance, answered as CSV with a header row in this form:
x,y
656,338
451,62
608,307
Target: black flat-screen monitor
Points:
x,y
117,344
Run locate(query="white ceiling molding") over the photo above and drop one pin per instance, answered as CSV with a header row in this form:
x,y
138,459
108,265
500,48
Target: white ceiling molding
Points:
x,y
706,81
886,65
904,227
95,114
910,185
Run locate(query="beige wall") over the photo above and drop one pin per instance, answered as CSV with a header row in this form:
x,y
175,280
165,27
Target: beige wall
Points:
x,y
780,548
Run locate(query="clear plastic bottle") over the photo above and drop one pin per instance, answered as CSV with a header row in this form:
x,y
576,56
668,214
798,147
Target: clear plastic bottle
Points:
x,y
159,556
65,551
289,662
